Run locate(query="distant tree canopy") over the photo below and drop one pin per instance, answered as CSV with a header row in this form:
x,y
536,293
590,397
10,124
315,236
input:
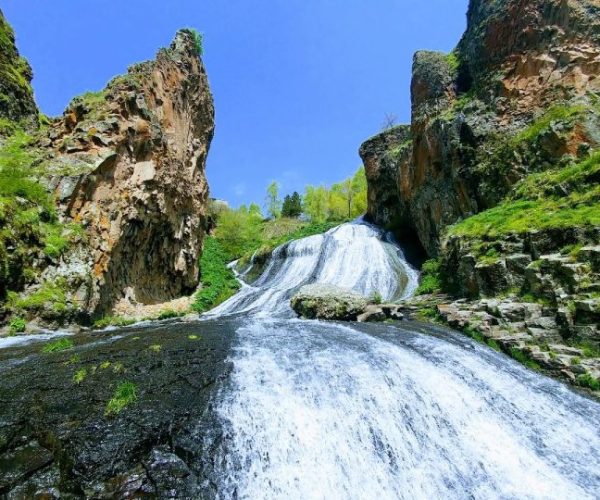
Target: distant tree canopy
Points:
x,y
292,205
344,200
240,229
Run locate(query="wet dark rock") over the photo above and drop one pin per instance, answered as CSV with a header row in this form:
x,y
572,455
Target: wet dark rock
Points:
x,y
57,439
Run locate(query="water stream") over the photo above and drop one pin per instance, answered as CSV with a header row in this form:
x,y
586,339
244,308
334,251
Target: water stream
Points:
x,y
317,410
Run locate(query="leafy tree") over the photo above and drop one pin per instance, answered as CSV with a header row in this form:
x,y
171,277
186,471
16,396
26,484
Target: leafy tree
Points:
x,y
273,200
239,229
316,203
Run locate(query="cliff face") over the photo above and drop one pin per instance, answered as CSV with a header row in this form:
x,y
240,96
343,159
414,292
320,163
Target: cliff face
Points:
x,y
518,95
128,164
109,201
16,94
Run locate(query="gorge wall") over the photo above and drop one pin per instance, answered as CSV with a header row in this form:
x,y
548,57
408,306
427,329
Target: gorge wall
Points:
x,y
125,168
498,177
469,141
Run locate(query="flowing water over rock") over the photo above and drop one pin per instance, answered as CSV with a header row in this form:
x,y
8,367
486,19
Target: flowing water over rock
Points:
x,y
325,410
355,255
251,403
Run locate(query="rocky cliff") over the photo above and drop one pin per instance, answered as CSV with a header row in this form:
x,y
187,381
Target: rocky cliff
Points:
x,y
498,177
126,170
519,94
16,95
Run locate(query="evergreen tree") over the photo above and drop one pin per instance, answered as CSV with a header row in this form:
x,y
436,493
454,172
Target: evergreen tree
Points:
x,y
295,205
286,209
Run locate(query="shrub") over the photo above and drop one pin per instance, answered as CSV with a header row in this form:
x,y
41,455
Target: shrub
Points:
x,y
198,41
524,359
431,281
376,298
124,395
169,313
586,380
112,321
218,281
17,325
58,345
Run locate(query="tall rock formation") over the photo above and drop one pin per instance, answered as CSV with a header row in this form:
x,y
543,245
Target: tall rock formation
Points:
x,y
129,166
125,216
16,95
519,94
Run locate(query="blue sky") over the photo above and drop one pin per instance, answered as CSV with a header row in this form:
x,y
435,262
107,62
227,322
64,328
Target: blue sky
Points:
x,y
298,84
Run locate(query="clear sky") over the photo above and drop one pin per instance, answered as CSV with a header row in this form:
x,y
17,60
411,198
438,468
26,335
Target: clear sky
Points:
x,y
298,84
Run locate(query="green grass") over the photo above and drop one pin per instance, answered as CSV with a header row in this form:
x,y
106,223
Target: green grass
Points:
x,y
431,279
58,345
124,395
535,203
524,359
558,113
586,380
80,375
113,321
49,295
218,282
17,325
169,313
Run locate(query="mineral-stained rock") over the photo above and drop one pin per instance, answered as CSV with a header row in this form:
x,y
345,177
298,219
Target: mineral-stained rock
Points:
x,y
322,301
128,164
516,59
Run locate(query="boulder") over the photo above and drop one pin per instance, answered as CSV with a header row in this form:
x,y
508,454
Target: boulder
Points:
x,y
322,301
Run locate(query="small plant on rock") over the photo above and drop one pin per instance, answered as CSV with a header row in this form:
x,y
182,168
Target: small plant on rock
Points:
x,y
376,298
58,345
124,395
17,325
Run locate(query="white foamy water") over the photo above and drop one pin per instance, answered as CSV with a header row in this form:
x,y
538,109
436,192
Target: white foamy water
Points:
x,y
317,410
21,340
354,255
323,411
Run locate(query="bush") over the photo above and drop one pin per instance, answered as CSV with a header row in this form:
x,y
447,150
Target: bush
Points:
x,y
113,321
198,41
524,359
586,380
376,298
17,325
218,281
431,281
169,313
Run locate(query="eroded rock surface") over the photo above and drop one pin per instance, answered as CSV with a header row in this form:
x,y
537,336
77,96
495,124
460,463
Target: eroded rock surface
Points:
x,y
127,166
516,61
58,441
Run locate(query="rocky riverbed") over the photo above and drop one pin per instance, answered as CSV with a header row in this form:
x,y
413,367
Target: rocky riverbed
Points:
x,y
61,431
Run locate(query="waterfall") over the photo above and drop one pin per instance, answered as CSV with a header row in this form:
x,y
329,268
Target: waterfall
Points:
x,y
324,410
355,255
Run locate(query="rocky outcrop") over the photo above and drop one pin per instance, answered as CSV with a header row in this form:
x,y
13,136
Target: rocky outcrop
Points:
x,y
16,95
518,95
322,301
128,165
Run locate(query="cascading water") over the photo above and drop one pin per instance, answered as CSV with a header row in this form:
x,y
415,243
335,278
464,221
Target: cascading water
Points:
x,y
355,255
317,410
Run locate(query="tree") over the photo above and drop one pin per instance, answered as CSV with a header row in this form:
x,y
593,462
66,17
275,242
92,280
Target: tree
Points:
x,y
296,204
286,210
389,121
316,203
292,205
238,230
273,201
